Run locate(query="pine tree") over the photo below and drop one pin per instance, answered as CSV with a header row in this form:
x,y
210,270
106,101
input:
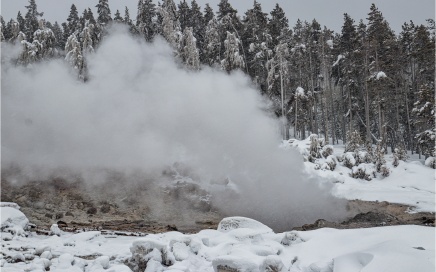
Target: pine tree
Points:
x,y
104,12
183,15
212,43
232,58
127,19
278,26
74,56
198,24
31,20
73,21
87,38
57,31
21,22
208,14
2,29
256,41
117,17
189,52
145,19
170,24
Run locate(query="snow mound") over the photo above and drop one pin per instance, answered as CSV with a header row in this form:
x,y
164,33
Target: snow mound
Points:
x,y
237,222
12,219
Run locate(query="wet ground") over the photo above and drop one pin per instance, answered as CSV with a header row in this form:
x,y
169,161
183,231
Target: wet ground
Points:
x,y
131,210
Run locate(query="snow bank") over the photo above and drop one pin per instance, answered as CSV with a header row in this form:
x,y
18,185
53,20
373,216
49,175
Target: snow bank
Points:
x,y
12,219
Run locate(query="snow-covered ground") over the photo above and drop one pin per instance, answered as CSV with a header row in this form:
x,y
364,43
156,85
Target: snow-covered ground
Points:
x,y
411,182
239,243
242,244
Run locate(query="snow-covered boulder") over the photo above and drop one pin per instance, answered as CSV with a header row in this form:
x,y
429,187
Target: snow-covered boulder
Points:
x,y
55,230
12,219
238,222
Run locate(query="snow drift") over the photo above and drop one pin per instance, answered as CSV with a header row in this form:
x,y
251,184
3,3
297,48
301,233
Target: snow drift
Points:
x,y
141,111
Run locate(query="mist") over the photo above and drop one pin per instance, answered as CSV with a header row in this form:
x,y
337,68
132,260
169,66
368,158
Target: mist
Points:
x,y
141,111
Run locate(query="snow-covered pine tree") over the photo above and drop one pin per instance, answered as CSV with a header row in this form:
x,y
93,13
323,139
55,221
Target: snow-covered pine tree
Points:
x,y
424,119
127,19
208,14
278,26
213,43
232,58
198,24
354,141
256,41
57,31
379,159
188,50
104,12
278,82
74,56
183,15
46,40
117,17
170,24
31,20
87,38
73,21
145,19
2,29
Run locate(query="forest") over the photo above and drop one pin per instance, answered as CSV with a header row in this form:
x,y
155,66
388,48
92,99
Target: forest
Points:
x,y
365,84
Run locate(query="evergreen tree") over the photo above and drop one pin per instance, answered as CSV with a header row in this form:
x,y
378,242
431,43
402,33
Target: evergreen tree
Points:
x,y
183,15
170,24
198,24
21,22
57,31
117,17
232,58
257,40
278,26
208,14
104,12
127,19
145,19
212,43
74,56
2,29
31,20
189,52
73,21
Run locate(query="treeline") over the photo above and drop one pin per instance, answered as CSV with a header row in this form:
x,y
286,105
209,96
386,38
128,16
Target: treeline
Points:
x,y
365,80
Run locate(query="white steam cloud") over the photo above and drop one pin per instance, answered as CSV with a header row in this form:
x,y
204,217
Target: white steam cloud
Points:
x,y
140,111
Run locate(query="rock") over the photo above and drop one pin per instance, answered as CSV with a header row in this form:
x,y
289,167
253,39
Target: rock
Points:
x,y
54,230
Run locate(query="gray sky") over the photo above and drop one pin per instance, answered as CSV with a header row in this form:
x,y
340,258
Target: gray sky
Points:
x,y
328,13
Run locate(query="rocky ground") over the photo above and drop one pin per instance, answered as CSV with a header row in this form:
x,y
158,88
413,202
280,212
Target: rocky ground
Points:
x,y
143,208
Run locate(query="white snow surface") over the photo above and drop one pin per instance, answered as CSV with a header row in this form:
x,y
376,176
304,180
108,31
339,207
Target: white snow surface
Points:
x,y
393,248
411,183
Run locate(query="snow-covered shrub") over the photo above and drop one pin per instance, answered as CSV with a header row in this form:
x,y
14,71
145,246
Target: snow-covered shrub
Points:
x,y
349,160
363,157
384,170
363,171
315,148
291,238
55,230
327,150
431,162
399,154
331,162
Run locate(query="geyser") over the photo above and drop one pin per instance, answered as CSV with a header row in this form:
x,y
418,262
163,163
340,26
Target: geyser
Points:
x,y
140,110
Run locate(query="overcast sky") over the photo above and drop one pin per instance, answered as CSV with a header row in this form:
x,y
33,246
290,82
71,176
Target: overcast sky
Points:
x,y
326,12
